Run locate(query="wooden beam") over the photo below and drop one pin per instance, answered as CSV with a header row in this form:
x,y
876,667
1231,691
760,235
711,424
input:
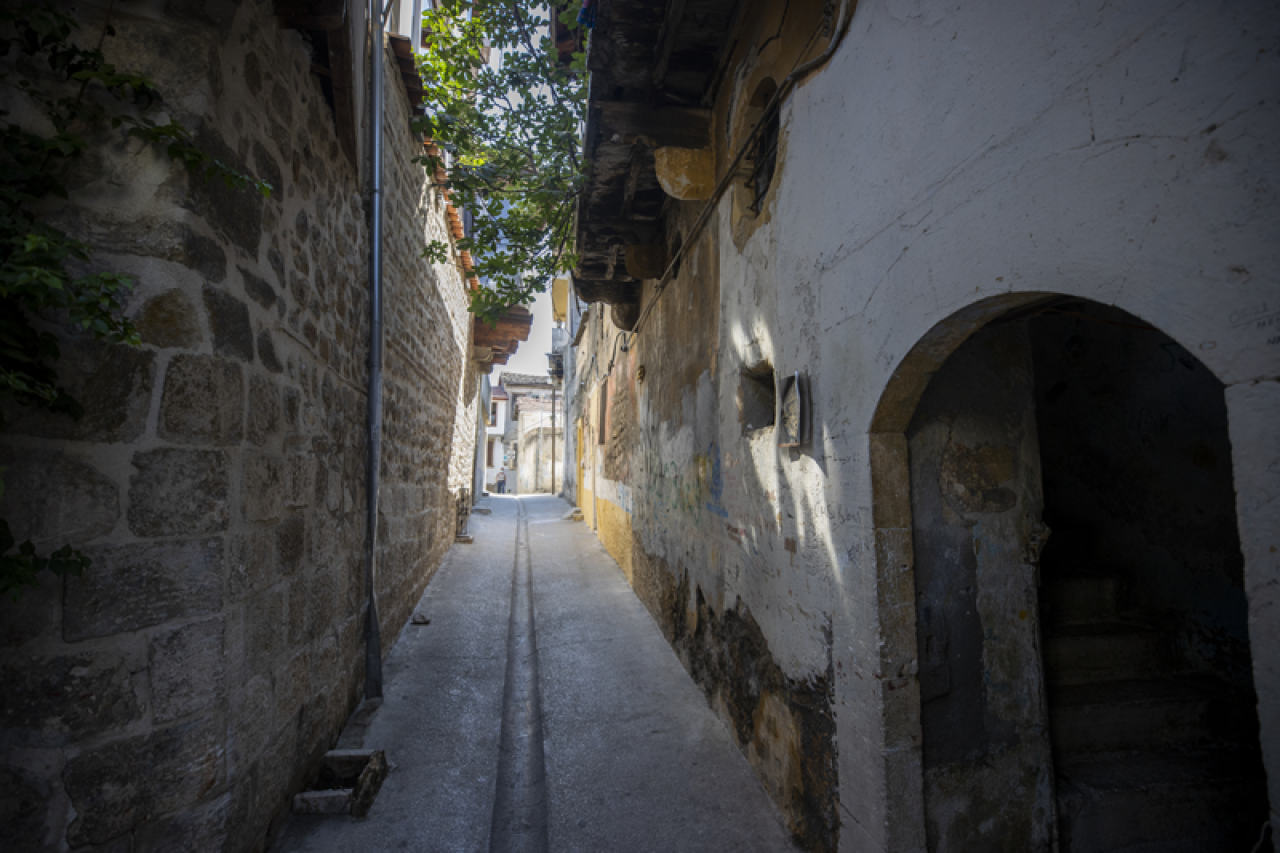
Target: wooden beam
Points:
x,y
633,180
627,230
667,40
613,260
658,127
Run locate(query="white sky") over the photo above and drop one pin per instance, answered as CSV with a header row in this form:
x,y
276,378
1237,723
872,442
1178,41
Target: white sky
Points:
x,y
531,357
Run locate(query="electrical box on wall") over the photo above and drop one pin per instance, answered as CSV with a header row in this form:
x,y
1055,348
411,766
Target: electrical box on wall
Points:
x,y
794,415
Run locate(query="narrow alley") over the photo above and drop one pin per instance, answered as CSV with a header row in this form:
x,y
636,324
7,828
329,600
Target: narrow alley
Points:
x,y
635,759
846,426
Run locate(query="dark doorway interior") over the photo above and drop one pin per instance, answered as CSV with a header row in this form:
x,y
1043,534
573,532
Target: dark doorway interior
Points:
x,y
1146,649
1093,693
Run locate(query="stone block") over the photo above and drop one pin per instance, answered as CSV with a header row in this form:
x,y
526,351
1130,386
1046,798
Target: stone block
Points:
x,y
252,723
203,401
236,214
135,586
202,254
264,409
292,407
291,543
169,320
116,787
58,700
113,383
258,289
229,322
251,562
268,168
200,828
264,630
292,685
275,770
276,260
178,492
25,804
163,239
264,487
299,603
186,669
267,353
324,603
301,480
38,613
52,499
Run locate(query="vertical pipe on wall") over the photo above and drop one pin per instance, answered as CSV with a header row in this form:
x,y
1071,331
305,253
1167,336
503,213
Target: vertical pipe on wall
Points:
x,y
373,637
553,435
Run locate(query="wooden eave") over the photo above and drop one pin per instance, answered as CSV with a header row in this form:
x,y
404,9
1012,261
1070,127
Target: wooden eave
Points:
x,y
653,64
503,337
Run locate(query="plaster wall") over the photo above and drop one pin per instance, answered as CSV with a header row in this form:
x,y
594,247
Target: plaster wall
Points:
x,y
946,166
177,694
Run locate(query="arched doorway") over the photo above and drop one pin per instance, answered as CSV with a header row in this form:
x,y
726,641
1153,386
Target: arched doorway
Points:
x,y
1080,620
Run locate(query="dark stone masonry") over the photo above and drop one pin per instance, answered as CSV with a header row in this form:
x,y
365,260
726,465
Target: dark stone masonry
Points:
x,y
176,695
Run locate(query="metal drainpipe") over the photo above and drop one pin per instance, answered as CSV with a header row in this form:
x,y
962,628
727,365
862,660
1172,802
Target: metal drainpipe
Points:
x,y
373,637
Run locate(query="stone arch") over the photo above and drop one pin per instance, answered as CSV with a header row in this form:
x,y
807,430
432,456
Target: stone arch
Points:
x,y
892,518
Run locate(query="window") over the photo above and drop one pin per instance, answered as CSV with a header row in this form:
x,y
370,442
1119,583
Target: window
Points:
x,y
764,154
489,454
493,414
764,160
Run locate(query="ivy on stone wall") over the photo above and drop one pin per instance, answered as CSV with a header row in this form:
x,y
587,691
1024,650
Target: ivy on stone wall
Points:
x,y
511,128
63,95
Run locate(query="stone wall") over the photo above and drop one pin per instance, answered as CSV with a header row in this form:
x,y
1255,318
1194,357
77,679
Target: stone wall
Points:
x,y
179,692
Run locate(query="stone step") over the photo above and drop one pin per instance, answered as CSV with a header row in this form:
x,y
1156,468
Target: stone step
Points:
x,y
1145,714
1084,598
1168,800
1105,651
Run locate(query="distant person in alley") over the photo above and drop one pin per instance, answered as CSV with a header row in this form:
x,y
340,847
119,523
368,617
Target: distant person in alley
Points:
x,y
502,481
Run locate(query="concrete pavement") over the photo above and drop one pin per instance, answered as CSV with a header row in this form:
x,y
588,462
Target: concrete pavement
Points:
x,y
634,759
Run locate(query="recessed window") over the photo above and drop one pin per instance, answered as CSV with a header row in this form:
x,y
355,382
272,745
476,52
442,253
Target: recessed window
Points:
x,y
764,154
757,398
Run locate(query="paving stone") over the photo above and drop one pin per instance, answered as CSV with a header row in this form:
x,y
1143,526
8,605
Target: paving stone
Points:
x,y
128,587
52,498
203,401
54,701
169,321
186,669
229,322
178,492
118,786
